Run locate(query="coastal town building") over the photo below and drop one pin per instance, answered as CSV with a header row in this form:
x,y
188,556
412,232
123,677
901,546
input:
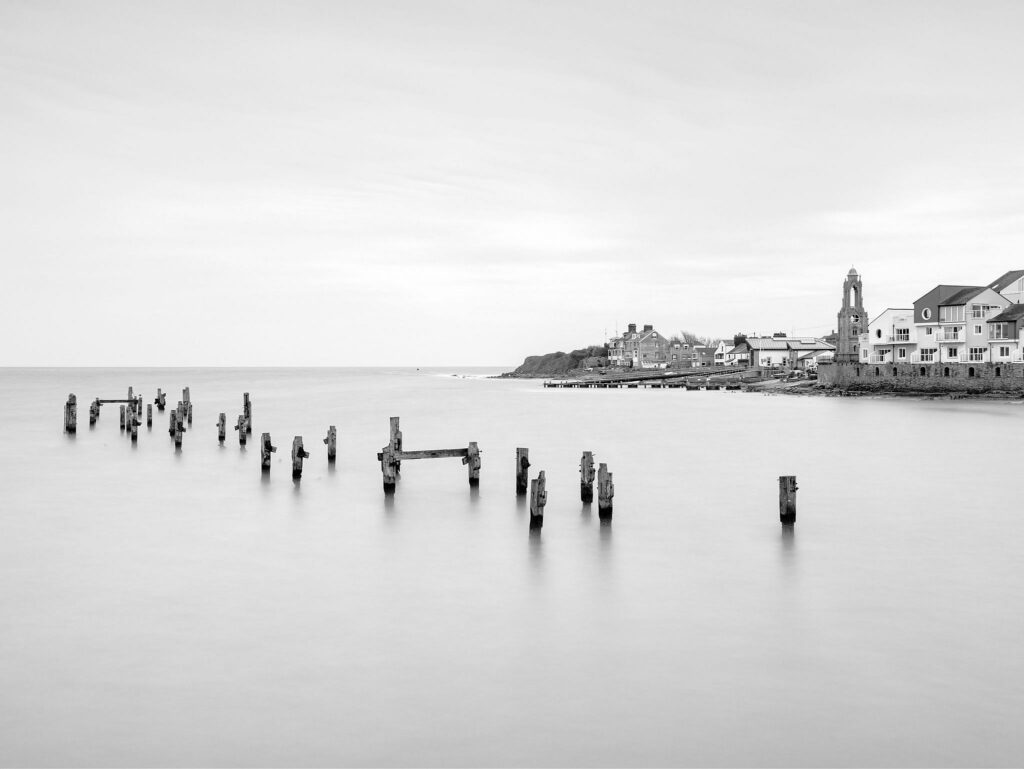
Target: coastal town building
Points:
x,y
1005,333
780,352
639,349
891,337
1010,285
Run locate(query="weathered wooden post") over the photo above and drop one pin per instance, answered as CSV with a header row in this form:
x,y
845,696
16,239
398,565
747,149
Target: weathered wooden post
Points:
x,y
131,393
522,468
389,467
472,461
71,414
222,425
787,498
149,415
538,498
179,425
174,420
247,412
94,412
161,400
185,396
605,492
133,423
395,443
241,429
332,443
298,454
122,417
266,450
587,477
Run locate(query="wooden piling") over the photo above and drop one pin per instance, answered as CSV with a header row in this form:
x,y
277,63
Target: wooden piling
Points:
x,y
787,499
247,412
538,498
266,449
395,443
222,425
240,426
133,423
71,414
298,454
179,424
587,477
173,422
186,396
389,467
94,412
161,400
472,461
605,492
332,443
522,469
123,412
149,415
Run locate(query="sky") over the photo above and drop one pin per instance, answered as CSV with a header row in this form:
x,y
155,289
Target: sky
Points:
x,y
468,183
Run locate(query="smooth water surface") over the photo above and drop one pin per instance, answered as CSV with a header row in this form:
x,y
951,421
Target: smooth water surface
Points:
x,y
163,608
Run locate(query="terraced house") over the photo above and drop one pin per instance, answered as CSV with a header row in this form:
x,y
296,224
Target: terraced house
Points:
x,y
639,349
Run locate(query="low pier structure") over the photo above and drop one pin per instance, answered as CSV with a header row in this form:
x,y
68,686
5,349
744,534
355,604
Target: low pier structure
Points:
x,y
392,455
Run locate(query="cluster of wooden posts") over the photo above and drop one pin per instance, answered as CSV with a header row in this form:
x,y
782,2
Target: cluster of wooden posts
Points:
x,y
131,414
390,457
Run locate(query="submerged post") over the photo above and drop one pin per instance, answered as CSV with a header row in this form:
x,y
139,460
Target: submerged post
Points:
x,y
222,425
173,422
538,498
605,492
247,412
122,417
587,477
332,443
133,423
179,424
94,412
787,498
472,460
522,469
266,450
149,415
240,426
71,414
161,400
298,454
389,467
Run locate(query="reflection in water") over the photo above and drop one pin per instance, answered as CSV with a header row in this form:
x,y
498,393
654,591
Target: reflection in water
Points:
x,y
474,494
389,502
585,511
296,485
330,466
536,549
788,539
521,505
265,476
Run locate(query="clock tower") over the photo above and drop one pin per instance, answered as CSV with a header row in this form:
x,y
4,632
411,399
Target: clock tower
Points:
x,y
853,320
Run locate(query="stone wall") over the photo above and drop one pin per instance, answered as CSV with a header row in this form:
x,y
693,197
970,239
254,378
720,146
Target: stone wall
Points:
x,y
924,377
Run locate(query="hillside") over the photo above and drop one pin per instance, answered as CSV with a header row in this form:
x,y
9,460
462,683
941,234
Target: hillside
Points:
x,y
556,364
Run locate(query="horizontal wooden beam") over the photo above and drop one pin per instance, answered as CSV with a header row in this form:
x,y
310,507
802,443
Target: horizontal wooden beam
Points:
x,y
427,454
123,400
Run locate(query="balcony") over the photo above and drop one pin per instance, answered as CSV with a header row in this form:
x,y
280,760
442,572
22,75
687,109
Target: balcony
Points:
x,y
898,339
946,335
917,357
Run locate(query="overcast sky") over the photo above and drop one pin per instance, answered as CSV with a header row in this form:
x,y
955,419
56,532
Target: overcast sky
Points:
x,y
418,183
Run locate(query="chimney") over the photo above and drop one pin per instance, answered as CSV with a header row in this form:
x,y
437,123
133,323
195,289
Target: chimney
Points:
x,y
632,328
648,327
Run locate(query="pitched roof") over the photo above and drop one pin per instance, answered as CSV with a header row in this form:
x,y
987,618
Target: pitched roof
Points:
x,y
963,296
1011,313
1006,279
945,291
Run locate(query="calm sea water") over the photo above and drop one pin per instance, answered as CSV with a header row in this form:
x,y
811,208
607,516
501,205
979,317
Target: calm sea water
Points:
x,y
162,608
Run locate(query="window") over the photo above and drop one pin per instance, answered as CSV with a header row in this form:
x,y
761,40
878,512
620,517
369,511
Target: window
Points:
x,y
997,331
926,313
952,353
1004,352
878,333
901,353
928,330
951,313
975,354
903,335
928,354
977,329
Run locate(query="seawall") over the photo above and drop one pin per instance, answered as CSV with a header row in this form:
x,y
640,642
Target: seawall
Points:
x,y
924,377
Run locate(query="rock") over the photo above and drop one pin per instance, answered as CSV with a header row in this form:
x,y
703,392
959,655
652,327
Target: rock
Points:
x,y
561,363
